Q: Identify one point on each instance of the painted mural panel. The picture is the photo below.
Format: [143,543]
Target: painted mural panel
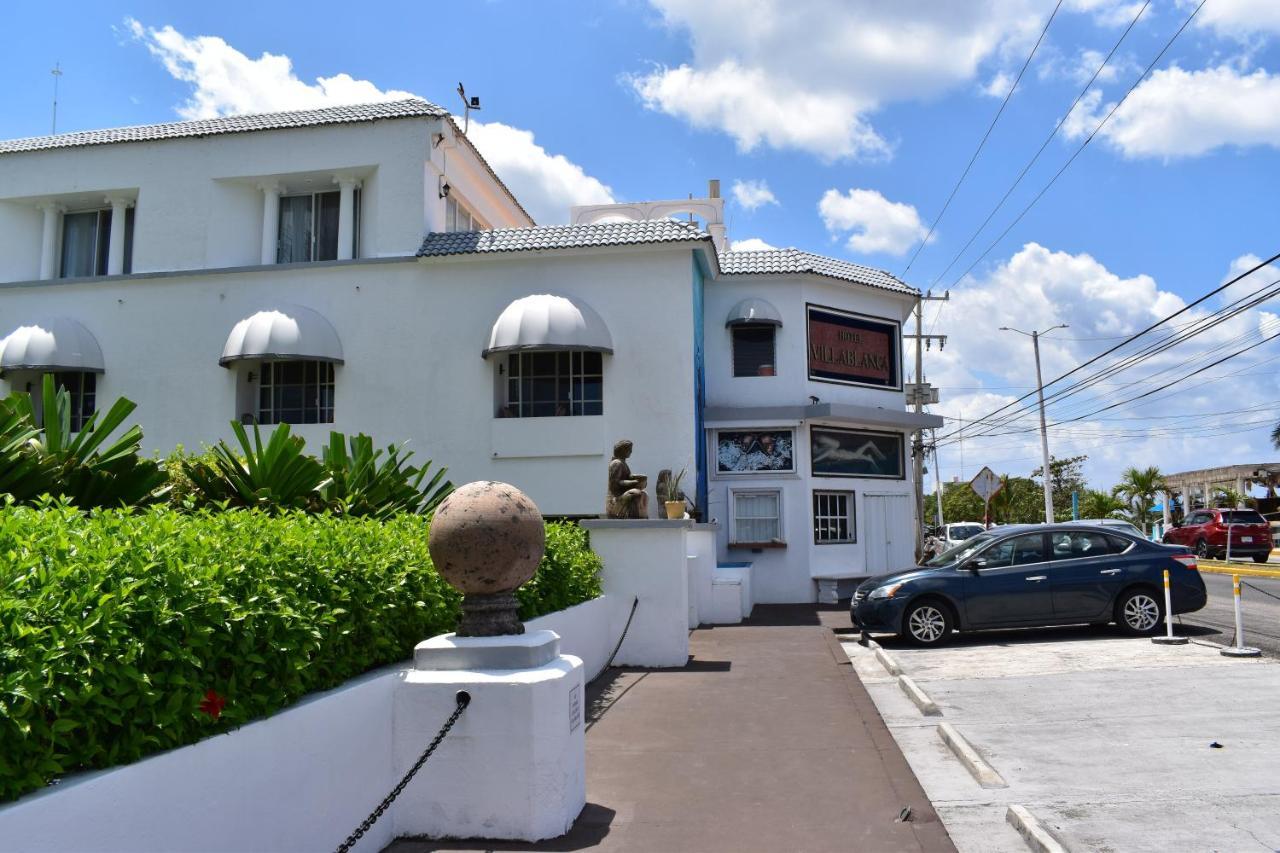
[755,451]
[857,453]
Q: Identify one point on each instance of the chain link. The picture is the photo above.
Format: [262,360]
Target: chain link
[625,628]
[464,699]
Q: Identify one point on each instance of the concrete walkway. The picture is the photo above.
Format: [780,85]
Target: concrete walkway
[766,741]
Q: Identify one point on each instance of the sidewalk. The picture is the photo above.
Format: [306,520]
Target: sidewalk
[766,741]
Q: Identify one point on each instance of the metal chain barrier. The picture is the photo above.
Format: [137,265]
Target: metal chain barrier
[464,699]
[634,602]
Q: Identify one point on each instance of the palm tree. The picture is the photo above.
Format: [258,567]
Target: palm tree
[1096,504]
[1275,437]
[1138,487]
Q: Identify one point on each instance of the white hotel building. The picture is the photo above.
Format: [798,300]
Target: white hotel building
[363,269]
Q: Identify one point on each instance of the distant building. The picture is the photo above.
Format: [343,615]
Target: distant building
[362,269]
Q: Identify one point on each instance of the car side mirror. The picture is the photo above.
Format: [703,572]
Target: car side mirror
[976,564]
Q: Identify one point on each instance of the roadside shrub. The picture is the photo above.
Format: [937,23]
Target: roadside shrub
[127,632]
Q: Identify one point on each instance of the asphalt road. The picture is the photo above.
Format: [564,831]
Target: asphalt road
[1261,612]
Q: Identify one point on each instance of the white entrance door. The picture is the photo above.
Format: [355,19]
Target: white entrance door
[886,526]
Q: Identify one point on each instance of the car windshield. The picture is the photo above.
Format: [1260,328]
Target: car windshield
[1242,516]
[961,532]
[962,551]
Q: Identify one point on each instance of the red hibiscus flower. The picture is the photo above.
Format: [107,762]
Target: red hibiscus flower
[212,704]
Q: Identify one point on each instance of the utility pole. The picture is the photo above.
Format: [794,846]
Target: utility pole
[1044,431]
[937,477]
[920,394]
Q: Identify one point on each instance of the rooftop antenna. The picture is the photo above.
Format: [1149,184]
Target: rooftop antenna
[56,72]
[468,104]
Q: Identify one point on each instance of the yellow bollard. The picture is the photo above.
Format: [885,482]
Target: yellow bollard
[1239,650]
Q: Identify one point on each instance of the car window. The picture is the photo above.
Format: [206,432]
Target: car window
[1196,518]
[1084,543]
[1119,544]
[960,532]
[962,551]
[1018,551]
[1242,516]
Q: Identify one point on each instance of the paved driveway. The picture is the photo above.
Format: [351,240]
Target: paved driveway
[1106,740]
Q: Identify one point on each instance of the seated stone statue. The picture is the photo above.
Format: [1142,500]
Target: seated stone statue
[627,497]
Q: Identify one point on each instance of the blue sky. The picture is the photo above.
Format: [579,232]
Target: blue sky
[874,107]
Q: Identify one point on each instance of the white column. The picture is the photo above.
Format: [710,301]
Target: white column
[49,240]
[346,217]
[270,221]
[1208,495]
[1186,501]
[1168,511]
[115,251]
[1240,491]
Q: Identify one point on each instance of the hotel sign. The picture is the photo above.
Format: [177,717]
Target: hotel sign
[853,349]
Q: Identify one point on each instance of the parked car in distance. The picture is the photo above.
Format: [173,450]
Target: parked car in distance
[1206,530]
[955,533]
[1032,575]
[1119,524]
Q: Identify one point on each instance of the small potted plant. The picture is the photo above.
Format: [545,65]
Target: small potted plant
[671,496]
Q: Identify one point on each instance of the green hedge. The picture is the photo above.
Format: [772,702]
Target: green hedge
[116,625]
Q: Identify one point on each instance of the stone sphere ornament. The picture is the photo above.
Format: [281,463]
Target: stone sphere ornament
[487,538]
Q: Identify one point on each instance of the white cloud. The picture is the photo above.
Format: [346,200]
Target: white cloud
[806,74]
[1177,113]
[751,244]
[753,194]
[982,368]
[1239,19]
[1108,13]
[546,184]
[999,85]
[877,224]
[225,81]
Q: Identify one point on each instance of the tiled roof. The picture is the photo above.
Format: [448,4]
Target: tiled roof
[560,237]
[408,108]
[790,261]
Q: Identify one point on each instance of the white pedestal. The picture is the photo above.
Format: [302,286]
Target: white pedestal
[513,767]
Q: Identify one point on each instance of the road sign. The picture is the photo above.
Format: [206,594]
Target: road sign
[986,484]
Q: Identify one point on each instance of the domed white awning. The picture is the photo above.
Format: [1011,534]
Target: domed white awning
[753,311]
[282,333]
[56,343]
[548,322]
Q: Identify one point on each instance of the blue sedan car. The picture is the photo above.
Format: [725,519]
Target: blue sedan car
[1029,576]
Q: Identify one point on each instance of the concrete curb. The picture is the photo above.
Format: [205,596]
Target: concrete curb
[921,699]
[982,772]
[1035,833]
[890,665]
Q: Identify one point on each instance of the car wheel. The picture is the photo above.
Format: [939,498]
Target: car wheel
[1202,549]
[1260,558]
[1138,612]
[927,623]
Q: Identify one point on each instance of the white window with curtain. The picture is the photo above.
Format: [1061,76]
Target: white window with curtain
[458,218]
[309,227]
[86,242]
[757,517]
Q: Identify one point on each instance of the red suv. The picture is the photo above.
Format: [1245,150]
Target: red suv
[1205,531]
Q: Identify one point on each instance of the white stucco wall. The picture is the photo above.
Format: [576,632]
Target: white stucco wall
[412,334]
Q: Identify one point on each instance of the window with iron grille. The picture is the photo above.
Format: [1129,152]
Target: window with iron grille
[296,392]
[833,520]
[82,388]
[753,350]
[757,517]
[554,384]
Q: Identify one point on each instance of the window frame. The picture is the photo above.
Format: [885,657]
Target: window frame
[517,369]
[454,206]
[850,516]
[326,377]
[734,542]
[1046,549]
[773,349]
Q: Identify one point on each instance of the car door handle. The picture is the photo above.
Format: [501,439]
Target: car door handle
[1038,578]
[1109,572]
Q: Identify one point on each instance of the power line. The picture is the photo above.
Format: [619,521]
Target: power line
[983,143]
[1131,338]
[1027,168]
[1083,145]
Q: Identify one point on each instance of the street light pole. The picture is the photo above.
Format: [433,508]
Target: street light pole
[1044,430]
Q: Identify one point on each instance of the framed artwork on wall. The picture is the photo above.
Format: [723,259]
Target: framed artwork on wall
[857,453]
[755,451]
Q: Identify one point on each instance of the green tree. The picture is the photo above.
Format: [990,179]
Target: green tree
[1066,476]
[1096,504]
[1138,488]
